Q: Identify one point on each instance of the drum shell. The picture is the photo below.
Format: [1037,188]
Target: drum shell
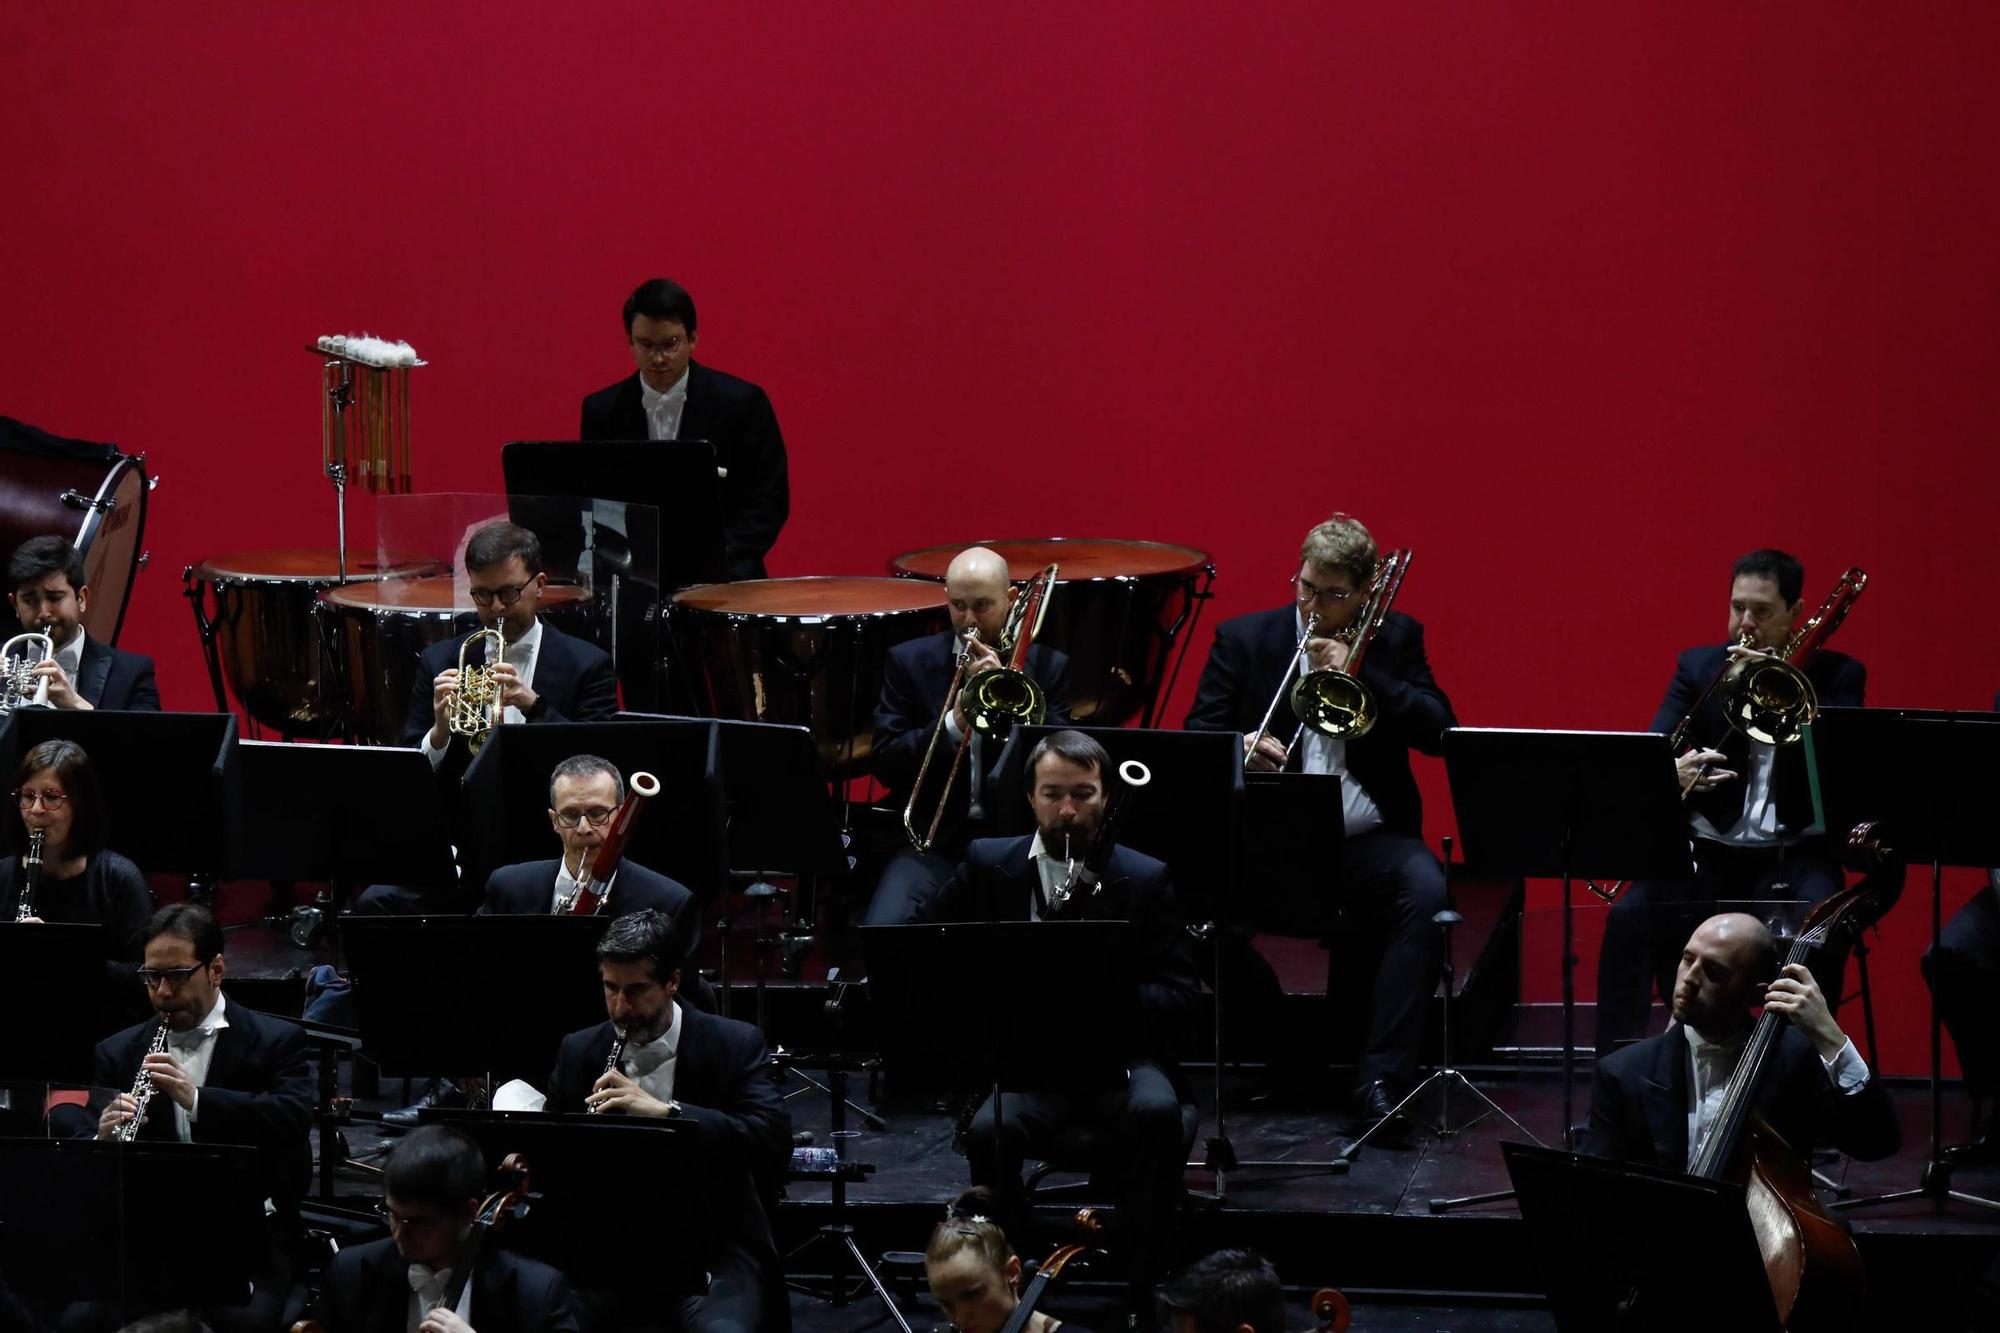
[817,668]
[33,481]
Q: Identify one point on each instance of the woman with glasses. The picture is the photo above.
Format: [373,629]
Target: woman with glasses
[81,880]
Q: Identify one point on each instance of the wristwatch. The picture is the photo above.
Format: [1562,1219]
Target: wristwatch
[673,1109]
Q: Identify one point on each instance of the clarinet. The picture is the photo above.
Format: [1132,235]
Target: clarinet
[611,1061]
[142,1089]
[31,871]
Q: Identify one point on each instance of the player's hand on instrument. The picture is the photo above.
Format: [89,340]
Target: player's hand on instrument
[1264,756]
[171,1078]
[615,1091]
[514,693]
[980,658]
[442,1320]
[1698,772]
[1798,997]
[62,693]
[121,1109]
[1327,654]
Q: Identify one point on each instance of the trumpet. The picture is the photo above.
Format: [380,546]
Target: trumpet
[612,1061]
[142,1089]
[31,871]
[589,895]
[475,708]
[21,686]
[994,703]
[1334,702]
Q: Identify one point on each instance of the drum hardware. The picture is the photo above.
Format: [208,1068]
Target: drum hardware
[93,496]
[79,501]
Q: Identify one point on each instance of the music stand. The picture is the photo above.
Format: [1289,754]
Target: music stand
[37,962]
[455,995]
[64,1199]
[1930,781]
[1617,1245]
[1567,805]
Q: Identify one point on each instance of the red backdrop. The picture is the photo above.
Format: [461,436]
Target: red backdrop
[1577,301]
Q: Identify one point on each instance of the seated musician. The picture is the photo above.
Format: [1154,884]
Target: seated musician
[1230,1291]
[1654,1101]
[915,681]
[1750,808]
[680,1063]
[674,397]
[1963,971]
[1009,879]
[49,597]
[228,1075]
[81,880]
[432,1185]
[1389,881]
[974,1274]
[547,675]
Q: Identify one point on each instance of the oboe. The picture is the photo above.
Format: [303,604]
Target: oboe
[611,1061]
[142,1089]
[31,871]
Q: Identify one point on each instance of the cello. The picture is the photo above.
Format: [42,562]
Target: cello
[1810,1260]
[1052,1268]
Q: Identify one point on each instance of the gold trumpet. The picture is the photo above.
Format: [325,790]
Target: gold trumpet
[475,708]
[1334,702]
[994,702]
[20,685]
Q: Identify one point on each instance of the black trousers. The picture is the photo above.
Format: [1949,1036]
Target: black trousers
[1650,924]
[910,881]
[1964,972]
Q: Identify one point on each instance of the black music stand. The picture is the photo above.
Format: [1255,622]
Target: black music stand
[1617,1245]
[37,962]
[169,780]
[65,1202]
[316,813]
[1930,781]
[1567,805]
[456,995]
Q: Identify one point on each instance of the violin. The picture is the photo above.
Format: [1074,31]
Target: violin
[1051,1269]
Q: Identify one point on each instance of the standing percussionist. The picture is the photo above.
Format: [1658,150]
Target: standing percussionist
[1749,804]
[681,1064]
[915,681]
[674,397]
[49,596]
[1389,880]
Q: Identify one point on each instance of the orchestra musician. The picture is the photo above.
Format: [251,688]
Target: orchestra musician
[1750,807]
[1653,1101]
[680,1063]
[1229,1291]
[915,681]
[81,880]
[975,1275]
[49,596]
[1143,1123]
[1390,882]
[671,396]
[432,1185]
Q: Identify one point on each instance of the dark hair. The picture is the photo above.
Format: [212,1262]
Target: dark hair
[175,1321]
[38,557]
[1227,1289]
[971,1223]
[1079,749]
[643,937]
[586,766]
[1781,567]
[193,923]
[79,781]
[661,299]
[435,1165]
[497,543]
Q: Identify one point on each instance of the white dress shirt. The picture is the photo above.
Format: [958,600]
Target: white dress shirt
[195,1049]
[1711,1063]
[652,1066]
[1328,754]
[522,655]
[663,410]
[427,1291]
[70,656]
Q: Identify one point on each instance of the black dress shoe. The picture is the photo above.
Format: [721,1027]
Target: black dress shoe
[440,1092]
[1981,1151]
[1373,1102]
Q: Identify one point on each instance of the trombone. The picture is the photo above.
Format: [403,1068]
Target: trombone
[994,703]
[1334,702]
[475,708]
[20,686]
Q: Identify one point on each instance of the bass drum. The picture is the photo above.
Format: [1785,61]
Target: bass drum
[379,631]
[90,494]
[807,651]
[1119,610]
[254,612]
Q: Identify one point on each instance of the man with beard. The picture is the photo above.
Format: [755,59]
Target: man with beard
[681,1064]
[1654,1101]
[45,577]
[1010,879]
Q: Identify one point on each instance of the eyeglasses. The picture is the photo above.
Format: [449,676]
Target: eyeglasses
[646,347]
[51,799]
[506,596]
[597,817]
[1306,592]
[398,1220]
[176,977]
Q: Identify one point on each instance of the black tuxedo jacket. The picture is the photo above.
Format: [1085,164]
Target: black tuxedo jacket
[736,417]
[997,879]
[1840,682]
[1250,655]
[112,678]
[1639,1106]
[367,1290]
[259,1093]
[574,682]
[528,888]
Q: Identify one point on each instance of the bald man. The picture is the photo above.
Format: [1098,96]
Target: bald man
[1654,1101]
[919,673]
